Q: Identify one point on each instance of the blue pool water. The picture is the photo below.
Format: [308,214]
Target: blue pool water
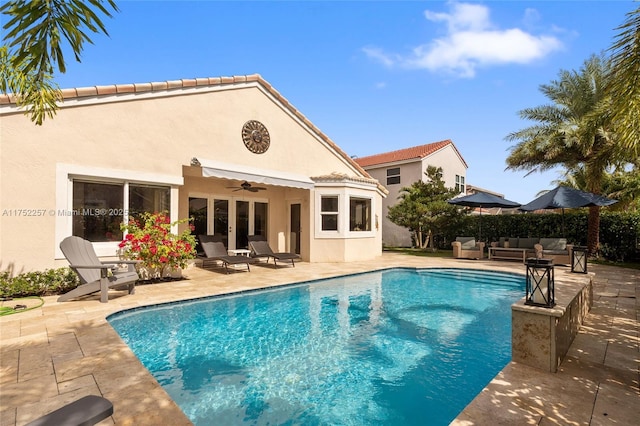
[393,347]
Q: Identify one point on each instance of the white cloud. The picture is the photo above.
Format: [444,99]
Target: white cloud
[472,41]
[464,16]
[531,17]
[379,56]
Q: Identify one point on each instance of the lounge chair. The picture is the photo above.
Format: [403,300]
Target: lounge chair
[96,275]
[214,252]
[261,249]
[85,411]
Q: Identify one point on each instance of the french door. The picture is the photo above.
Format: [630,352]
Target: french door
[231,219]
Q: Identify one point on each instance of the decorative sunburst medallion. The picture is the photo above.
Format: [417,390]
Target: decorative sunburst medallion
[255,136]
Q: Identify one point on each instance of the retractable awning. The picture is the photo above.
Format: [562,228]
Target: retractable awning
[212,168]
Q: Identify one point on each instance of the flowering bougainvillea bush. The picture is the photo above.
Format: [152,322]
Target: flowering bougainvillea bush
[148,238]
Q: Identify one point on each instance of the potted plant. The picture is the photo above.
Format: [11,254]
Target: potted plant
[163,254]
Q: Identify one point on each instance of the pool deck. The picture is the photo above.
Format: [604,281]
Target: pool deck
[55,354]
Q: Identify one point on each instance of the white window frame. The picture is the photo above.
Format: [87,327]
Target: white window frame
[337,213]
[67,173]
[344,194]
[460,185]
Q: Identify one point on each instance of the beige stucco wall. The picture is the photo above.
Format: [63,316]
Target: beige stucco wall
[451,164]
[148,136]
[410,172]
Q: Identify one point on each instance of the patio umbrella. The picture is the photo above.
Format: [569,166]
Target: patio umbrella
[483,200]
[564,197]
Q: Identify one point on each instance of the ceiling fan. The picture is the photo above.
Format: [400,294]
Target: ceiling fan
[246,186]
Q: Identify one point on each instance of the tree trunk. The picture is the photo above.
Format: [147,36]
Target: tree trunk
[425,243]
[417,239]
[593,230]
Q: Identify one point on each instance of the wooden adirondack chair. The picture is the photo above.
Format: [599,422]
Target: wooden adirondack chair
[95,275]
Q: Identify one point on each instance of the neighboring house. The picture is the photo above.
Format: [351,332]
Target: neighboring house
[231,152]
[401,168]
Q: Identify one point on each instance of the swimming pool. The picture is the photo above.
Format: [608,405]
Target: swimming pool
[393,347]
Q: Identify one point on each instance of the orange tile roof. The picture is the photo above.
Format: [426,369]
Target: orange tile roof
[412,153]
[115,89]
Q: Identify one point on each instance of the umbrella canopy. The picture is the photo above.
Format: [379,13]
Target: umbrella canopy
[482,199]
[564,197]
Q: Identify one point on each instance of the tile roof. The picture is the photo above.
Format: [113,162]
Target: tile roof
[412,153]
[171,85]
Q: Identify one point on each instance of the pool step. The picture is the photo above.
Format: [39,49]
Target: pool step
[476,276]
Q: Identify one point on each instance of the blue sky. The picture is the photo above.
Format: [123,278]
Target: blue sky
[375,76]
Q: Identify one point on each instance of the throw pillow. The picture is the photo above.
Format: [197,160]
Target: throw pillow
[553,243]
[468,243]
[527,243]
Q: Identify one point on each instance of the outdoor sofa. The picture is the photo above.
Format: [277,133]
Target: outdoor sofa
[511,248]
[556,249]
[467,248]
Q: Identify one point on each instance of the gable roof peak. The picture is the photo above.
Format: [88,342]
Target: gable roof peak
[411,153]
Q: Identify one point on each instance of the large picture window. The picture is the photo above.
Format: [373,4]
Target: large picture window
[329,212]
[359,214]
[148,199]
[98,211]
[100,207]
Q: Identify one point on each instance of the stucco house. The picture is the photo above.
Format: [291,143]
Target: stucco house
[400,168]
[231,152]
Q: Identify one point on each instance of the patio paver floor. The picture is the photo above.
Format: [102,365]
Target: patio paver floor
[60,352]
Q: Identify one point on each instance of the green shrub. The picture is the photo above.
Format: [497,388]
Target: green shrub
[619,231]
[38,283]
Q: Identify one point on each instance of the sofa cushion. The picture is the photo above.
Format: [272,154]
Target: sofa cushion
[556,252]
[526,243]
[553,243]
[503,240]
[468,243]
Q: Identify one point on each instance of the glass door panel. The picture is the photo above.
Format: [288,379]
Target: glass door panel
[198,211]
[260,219]
[242,225]
[221,220]
[294,226]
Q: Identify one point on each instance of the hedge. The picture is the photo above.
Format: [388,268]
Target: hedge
[38,283]
[619,231]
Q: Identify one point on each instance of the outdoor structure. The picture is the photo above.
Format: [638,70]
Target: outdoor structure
[231,152]
[399,169]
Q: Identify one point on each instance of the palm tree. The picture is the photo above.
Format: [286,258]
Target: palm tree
[622,185]
[570,132]
[34,34]
[624,85]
